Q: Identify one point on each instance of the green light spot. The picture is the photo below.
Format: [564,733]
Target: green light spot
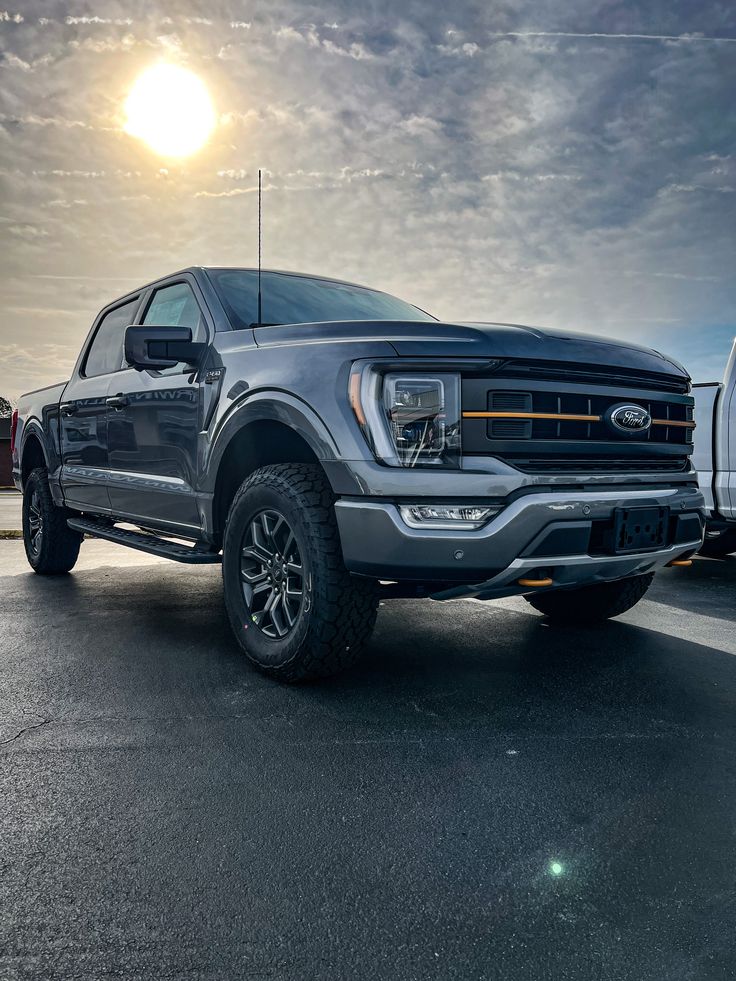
[556,868]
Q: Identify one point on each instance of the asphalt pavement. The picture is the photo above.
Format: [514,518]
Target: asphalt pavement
[485,797]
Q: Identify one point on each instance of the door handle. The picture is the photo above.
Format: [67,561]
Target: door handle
[68,408]
[117,401]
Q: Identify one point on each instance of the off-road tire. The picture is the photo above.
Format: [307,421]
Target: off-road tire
[337,612]
[592,603]
[720,547]
[58,548]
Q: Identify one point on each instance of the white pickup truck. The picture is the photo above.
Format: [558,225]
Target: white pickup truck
[715,458]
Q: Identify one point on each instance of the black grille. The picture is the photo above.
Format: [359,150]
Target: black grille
[593,374]
[574,404]
[582,440]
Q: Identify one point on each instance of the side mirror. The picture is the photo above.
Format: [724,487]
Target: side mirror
[161,347]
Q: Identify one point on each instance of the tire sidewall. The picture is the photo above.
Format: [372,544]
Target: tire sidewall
[266,652]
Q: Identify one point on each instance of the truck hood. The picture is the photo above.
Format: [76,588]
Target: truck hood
[420,339]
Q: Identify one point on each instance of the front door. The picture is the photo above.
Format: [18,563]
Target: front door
[153,425]
[83,412]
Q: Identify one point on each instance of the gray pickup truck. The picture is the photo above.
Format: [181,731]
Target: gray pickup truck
[715,459]
[330,444]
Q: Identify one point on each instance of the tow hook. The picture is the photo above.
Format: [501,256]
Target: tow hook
[537,578]
[681,563]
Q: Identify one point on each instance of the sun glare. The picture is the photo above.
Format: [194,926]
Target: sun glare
[170,109]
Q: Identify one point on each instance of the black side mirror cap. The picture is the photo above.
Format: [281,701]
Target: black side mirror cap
[161,347]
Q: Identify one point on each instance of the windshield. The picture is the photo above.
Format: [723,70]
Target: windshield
[287,299]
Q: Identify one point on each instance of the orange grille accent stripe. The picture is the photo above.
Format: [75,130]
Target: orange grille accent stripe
[531,415]
[673,422]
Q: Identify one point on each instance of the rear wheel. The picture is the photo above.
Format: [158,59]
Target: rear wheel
[51,545]
[589,604]
[295,610]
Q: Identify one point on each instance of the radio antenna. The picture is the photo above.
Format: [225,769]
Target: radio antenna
[260,320]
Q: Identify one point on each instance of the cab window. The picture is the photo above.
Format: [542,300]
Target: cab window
[106,350]
[176,306]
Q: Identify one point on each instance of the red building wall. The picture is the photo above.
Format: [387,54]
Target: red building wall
[6,476]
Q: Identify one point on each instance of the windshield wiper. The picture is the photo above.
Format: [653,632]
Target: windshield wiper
[265,325]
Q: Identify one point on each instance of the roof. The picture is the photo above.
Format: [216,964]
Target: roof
[289,272]
[254,269]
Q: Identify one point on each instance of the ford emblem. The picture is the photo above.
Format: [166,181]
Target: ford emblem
[630,419]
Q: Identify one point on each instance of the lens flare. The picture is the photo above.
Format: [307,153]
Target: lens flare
[170,109]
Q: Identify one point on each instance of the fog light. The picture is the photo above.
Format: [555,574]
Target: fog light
[464,517]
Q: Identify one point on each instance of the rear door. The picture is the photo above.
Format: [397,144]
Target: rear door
[83,411]
[154,420]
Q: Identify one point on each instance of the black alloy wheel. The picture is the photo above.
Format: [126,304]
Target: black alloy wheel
[35,523]
[273,574]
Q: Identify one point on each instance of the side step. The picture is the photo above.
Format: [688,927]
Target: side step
[192,554]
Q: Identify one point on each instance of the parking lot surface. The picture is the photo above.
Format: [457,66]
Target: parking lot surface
[10,510]
[485,797]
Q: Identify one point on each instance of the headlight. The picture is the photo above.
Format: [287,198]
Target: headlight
[409,420]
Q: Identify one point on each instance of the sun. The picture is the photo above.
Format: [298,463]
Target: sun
[170,109]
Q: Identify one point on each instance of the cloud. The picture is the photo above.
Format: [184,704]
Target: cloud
[517,177]
[65,203]
[28,231]
[103,45]
[232,193]
[693,188]
[11,60]
[467,50]
[420,125]
[309,36]
[32,120]
[118,21]
[595,35]
[234,175]
[8,18]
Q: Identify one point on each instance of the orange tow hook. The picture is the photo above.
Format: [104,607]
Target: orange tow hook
[681,563]
[535,582]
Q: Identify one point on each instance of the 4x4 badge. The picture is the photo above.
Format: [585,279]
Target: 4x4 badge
[628,418]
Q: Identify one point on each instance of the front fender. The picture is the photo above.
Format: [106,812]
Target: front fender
[278,406]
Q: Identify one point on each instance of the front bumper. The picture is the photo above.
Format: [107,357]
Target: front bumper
[554,531]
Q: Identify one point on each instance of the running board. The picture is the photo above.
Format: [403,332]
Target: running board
[192,554]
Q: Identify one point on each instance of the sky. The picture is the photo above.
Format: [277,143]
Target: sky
[564,163]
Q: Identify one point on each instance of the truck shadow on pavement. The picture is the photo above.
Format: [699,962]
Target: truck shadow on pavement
[157,638]
[707,588]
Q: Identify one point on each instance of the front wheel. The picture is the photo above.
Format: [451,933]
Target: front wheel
[51,545]
[719,546]
[296,611]
[589,604]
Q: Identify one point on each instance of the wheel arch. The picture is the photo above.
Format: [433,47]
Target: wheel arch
[33,453]
[268,428]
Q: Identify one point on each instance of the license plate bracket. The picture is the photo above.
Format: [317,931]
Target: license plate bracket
[640,529]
